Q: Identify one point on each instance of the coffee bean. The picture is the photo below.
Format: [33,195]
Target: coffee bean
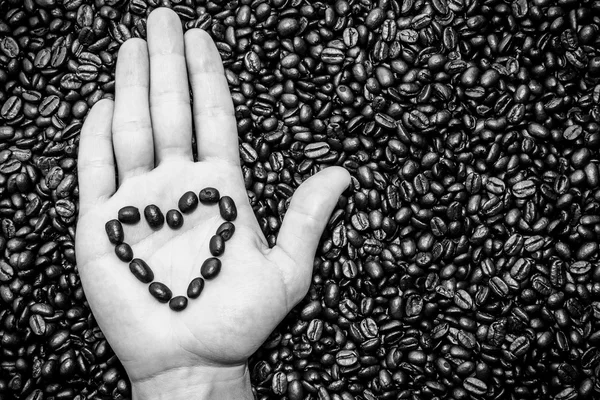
[227,208]
[178,303]
[174,219]
[141,270]
[160,292]
[463,300]
[346,358]
[580,267]
[154,216]
[129,215]
[209,196]
[114,231]
[195,288]
[187,203]
[216,245]
[316,150]
[124,252]
[210,268]
[37,324]
[475,386]
[226,230]
[524,189]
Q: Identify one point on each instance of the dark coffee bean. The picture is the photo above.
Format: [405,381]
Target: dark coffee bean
[524,189]
[178,303]
[129,215]
[216,245]
[346,358]
[209,195]
[195,288]
[174,219]
[141,270]
[475,386]
[316,150]
[279,383]
[226,230]
[37,324]
[160,291]
[154,216]
[580,267]
[124,252]
[227,208]
[463,300]
[114,231]
[187,203]
[210,268]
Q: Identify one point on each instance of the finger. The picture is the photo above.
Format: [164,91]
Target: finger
[169,93]
[303,225]
[96,164]
[132,129]
[214,120]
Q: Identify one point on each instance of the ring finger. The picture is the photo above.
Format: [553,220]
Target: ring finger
[132,129]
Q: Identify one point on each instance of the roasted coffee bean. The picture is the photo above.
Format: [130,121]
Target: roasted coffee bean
[141,270]
[129,215]
[174,219]
[210,268]
[226,230]
[475,386]
[187,203]
[209,196]
[124,252]
[37,324]
[154,216]
[160,292]
[227,208]
[178,303]
[195,288]
[346,358]
[216,245]
[524,189]
[114,231]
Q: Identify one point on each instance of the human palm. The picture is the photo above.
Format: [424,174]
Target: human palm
[149,129]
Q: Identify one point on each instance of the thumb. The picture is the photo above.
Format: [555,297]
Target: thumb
[303,225]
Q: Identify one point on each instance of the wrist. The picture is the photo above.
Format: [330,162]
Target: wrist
[196,383]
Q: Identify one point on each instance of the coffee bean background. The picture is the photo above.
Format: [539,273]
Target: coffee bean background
[461,263]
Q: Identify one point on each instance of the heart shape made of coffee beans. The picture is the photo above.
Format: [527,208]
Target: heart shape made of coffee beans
[187,204]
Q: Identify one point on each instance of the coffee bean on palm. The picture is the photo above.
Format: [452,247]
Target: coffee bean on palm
[124,252]
[210,268]
[209,195]
[174,219]
[188,202]
[114,231]
[154,216]
[226,230]
[178,303]
[160,291]
[141,270]
[216,245]
[227,208]
[195,288]
[129,215]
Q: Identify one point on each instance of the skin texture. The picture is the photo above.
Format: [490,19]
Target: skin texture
[145,136]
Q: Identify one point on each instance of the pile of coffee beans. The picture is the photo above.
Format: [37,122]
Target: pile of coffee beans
[462,262]
[154,216]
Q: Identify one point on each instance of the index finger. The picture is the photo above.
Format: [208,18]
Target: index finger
[214,118]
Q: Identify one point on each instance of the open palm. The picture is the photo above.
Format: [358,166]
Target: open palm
[149,129]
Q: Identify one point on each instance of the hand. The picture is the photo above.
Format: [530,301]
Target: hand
[201,351]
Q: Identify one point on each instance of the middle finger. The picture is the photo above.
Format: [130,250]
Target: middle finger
[169,93]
